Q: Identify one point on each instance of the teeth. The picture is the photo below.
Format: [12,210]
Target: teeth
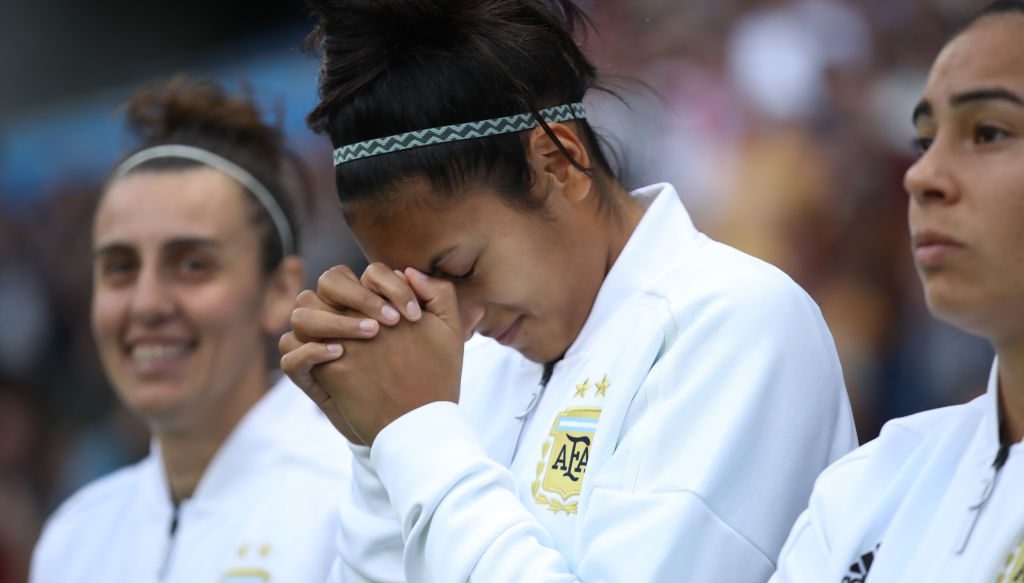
[150,353]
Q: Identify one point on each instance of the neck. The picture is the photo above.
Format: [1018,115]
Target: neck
[624,217]
[186,457]
[187,449]
[1011,391]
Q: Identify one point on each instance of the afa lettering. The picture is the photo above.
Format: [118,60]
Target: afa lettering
[573,463]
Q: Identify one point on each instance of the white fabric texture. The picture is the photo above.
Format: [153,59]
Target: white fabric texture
[900,507]
[678,439]
[266,507]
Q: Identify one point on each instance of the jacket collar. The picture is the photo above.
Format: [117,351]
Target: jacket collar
[259,438]
[664,234]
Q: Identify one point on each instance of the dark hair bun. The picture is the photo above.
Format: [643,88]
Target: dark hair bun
[394,66]
[419,40]
[200,112]
[394,24]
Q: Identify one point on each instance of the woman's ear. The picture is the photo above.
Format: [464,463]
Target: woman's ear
[553,166]
[282,288]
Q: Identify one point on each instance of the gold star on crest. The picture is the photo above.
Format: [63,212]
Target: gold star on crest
[602,386]
[243,550]
[264,550]
[581,389]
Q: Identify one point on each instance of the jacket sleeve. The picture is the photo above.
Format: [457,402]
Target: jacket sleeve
[731,429]
[715,460]
[370,538]
[850,508]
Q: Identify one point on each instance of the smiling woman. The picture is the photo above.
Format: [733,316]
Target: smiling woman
[937,497]
[194,273]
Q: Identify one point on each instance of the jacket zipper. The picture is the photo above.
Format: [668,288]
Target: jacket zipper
[166,564]
[986,492]
[524,417]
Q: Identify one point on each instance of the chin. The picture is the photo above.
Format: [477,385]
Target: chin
[534,357]
[542,354]
[159,405]
[957,311]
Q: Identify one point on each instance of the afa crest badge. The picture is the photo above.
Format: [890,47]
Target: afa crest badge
[248,574]
[564,457]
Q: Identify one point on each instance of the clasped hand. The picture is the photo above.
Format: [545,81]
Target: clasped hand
[369,350]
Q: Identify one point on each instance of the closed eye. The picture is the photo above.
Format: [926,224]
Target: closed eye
[464,277]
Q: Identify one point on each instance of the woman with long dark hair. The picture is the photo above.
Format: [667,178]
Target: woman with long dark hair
[638,402]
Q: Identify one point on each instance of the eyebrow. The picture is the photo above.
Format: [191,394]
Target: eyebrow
[924,108]
[172,245]
[996,94]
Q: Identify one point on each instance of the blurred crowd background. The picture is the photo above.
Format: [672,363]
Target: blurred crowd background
[784,124]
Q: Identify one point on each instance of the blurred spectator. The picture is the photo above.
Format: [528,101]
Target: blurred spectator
[25,312]
[21,513]
[781,52]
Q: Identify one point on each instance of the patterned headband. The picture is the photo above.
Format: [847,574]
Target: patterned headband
[456,132]
[241,175]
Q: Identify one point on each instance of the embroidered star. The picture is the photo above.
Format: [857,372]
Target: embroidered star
[243,550]
[602,386]
[581,390]
[264,550]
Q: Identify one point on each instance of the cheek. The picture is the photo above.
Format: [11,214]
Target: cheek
[108,313]
[998,224]
[523,280]
[226,315]
[1006,244]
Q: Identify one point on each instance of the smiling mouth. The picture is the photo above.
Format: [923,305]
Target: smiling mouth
[158,356]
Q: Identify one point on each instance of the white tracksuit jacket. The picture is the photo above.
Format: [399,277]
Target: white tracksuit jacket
[265,510]
[677,440]
[925,501]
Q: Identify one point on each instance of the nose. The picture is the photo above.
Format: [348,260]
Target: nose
[471,311]
[471,316]
[931,179]
[151,300]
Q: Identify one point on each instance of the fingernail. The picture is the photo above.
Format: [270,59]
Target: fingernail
[368,325]
[418,273]
[334,348]
[390,314]
[413,309]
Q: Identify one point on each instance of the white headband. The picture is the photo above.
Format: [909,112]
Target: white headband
[217,162]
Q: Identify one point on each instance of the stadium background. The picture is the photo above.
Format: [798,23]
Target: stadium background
[783,123]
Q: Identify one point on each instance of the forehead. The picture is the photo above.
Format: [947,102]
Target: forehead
[990,53]
[153,206]
[411,231]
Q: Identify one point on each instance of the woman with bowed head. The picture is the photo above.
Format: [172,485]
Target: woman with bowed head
[544,377]
[937,496]
[195,274]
